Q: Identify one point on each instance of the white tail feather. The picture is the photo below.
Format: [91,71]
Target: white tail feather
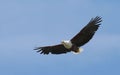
[78,51]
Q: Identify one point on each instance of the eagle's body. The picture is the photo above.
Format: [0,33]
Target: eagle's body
[68,45]
[76,42]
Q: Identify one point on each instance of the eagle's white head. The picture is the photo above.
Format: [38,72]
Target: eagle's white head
[67,44]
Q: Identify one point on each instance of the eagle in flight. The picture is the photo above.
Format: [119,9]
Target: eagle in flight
[74,45]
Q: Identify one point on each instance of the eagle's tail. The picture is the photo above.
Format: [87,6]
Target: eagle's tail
[79,50]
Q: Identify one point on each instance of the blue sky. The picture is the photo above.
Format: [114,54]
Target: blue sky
[26,24]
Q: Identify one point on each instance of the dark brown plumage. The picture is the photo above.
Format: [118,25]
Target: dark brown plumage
[56,49]
[77,41]
[87,32]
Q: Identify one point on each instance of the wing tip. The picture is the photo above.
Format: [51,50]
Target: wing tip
[41,50]
[96,20]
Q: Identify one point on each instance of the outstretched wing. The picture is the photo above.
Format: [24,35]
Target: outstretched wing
[56,49]
[87,32]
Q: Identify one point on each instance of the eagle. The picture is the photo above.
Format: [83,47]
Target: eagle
[74,44]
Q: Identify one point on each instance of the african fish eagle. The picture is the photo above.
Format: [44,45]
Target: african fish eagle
[76,42]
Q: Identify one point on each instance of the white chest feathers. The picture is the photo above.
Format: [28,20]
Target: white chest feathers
[67,44]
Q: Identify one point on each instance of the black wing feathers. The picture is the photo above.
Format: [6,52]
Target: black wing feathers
[57,49]
[87,32]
